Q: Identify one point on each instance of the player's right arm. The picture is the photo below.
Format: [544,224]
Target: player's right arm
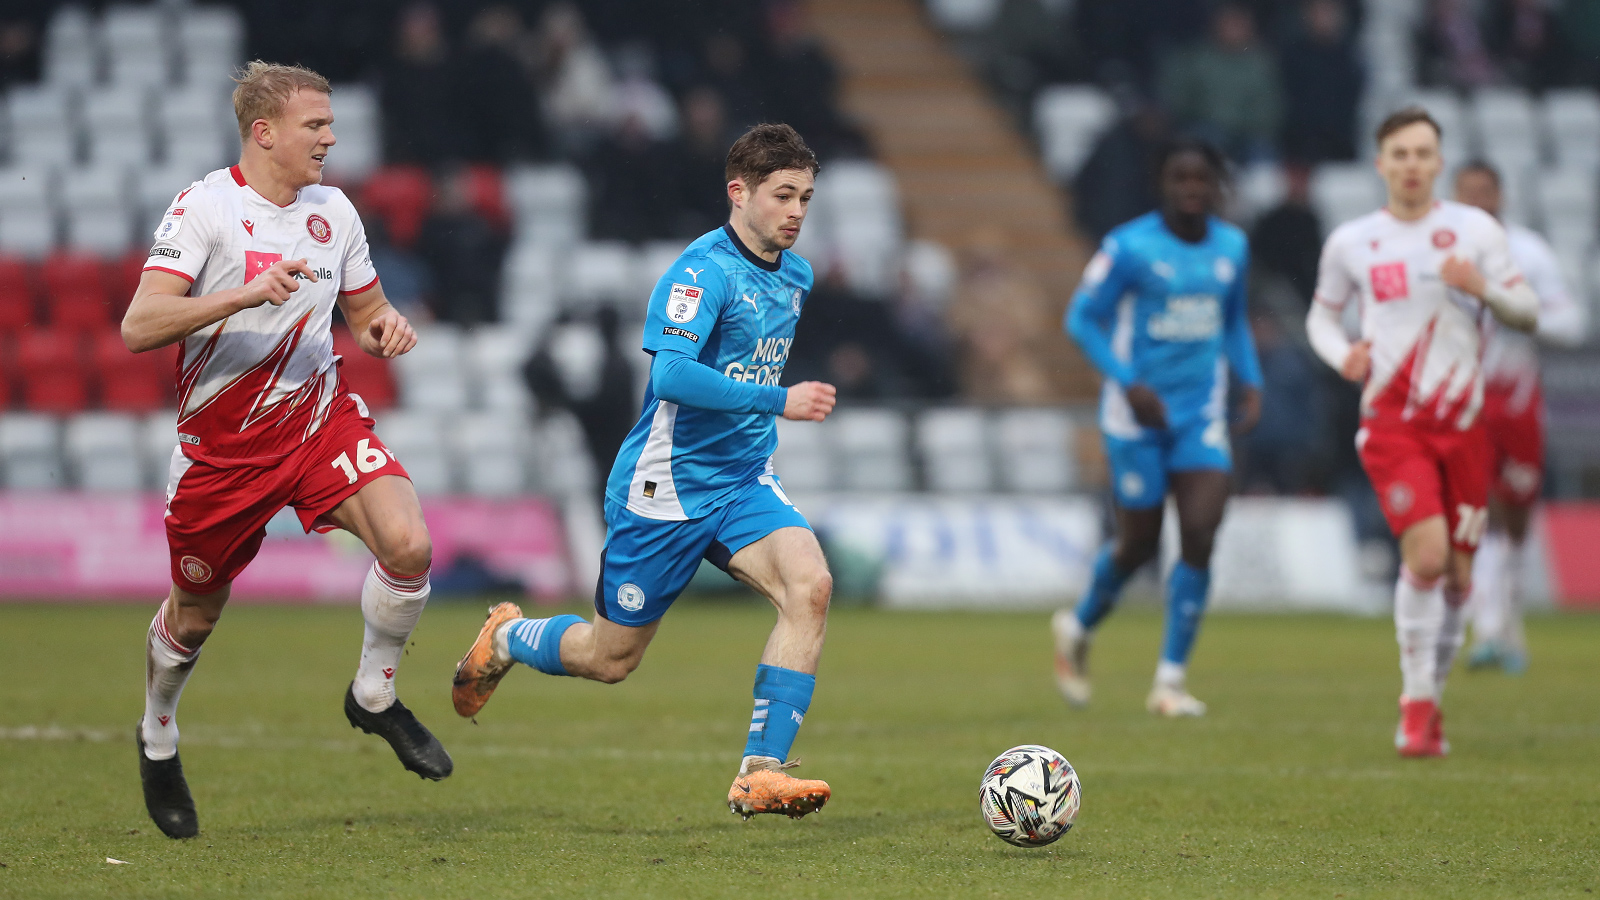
[162,312]
[1325,322]
[1109,275]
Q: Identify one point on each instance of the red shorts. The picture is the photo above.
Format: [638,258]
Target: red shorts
[1419,473]
[1516,441]
[217,515]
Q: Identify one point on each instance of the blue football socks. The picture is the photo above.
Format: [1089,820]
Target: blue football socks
[1104,589]
[1187,589]
[537,642]
[782,698]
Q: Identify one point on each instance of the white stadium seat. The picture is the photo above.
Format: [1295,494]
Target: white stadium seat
[432,376]
[27,231]
[1342,191]
[1035,450]
[489,449]
[103,450]
[803,460]
[1446,107]
[29,451]
[1567,199]
[417,439]
[528,286]
[95,204]
[210,43]
[548,203]
[495,355]
[357,126]
[154,190]
[871,446]
[654,260]
[40,127]
[599,272]
[1572,124]
[1068,120]
[963,15]
[135,41]
[564,468]
[954,444]
[158,437]
[1507,132]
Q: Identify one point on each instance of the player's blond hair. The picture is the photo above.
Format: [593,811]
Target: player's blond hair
[264,90]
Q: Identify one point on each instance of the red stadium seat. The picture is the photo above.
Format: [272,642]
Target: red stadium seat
[75,292]
[366,375]
[122,279]
[487,193]
[401,196]
[133,382]
[16,295]
[51,370]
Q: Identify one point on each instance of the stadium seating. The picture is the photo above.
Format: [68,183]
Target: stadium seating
[489,448]
[132,382]
[1036,451]
[871,447]
[803,460]
[51,370]
[954,444]
[30,457]
[400,196]
[16,295]
[157,439]
[98,446]
[1068,120]
[366,375]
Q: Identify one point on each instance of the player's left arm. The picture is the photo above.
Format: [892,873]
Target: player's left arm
[1499,284]
[379,328]
[1239,346]
[1563,320]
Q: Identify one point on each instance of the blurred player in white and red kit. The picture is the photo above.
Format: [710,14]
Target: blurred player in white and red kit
[1513,414]
[1429,275]
[245,270]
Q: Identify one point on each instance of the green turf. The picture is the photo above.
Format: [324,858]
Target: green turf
[1288,788]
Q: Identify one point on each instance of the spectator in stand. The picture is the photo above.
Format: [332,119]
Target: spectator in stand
[1322,81]
[1123,39]
[19,45]
[806,96]
[497,104]
[577,87]
[640,96]
[407,282]
[1227,90]
[1116,182]
[1450,46]
[1287,240]
[1023,48]
[463,250]
[419,105]
[727,72]
[702,163]
[1525,39]
[602,400]
[633,185]
[1579,24]
[999,316]
[1278,455]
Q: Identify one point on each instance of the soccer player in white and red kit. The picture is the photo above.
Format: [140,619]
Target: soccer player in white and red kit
[1513,414]
[245,271]
[1428,276]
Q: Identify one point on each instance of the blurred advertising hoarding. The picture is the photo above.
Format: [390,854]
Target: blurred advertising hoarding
[84,546]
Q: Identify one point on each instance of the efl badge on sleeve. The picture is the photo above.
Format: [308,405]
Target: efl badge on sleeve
[170,225]
[683,303]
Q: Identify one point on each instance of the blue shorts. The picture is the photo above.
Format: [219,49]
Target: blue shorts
[1139,466]
[647,563]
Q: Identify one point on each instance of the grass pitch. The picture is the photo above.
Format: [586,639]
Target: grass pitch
[1288,788]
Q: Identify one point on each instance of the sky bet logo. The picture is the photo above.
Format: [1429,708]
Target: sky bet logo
[766,364]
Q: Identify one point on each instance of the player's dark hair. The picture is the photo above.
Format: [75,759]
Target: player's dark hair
[765,149]
[1482,167]
[1205,149]
[1401,118]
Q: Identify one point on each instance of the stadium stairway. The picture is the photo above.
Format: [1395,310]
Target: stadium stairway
[968,179]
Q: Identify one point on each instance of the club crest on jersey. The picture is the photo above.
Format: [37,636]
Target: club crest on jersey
[683,302]
[321,231]
[1223,269]
[1444,238]
[170,225]
[1389,282]
[794,301]
[195,569]
[1400,498]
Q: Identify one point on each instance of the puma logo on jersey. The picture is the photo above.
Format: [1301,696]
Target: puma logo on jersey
[694,273]
[751,302]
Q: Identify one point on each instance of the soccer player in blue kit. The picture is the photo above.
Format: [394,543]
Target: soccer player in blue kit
[694,479]
[1161,313]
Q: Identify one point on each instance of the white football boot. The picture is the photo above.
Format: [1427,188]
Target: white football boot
[1173,701]
[1072,657]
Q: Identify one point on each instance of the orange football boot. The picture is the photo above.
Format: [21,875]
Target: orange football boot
[477,675]
[771,790]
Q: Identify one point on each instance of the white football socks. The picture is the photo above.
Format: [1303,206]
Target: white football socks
[1511,625]
[391,605]
[1489,587]
[1452,633]
[167,667]
[1418,616]
[1171,675]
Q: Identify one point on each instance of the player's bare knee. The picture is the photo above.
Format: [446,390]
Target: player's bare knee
[808,596]
[1427,562]
[1196,546]
[410,553]
[1131,553]
[612,671]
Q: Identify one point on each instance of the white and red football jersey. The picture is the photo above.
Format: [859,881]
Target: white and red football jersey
[1427,339]
[1511,358]
[254,386]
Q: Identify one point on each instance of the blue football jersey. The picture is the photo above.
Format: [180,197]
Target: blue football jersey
[1154,309]
[735,312]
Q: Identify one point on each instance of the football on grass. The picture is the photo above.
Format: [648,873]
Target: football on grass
[1030,796]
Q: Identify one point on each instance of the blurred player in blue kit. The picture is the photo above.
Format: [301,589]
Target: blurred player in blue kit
[1161,313]
[694,479]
